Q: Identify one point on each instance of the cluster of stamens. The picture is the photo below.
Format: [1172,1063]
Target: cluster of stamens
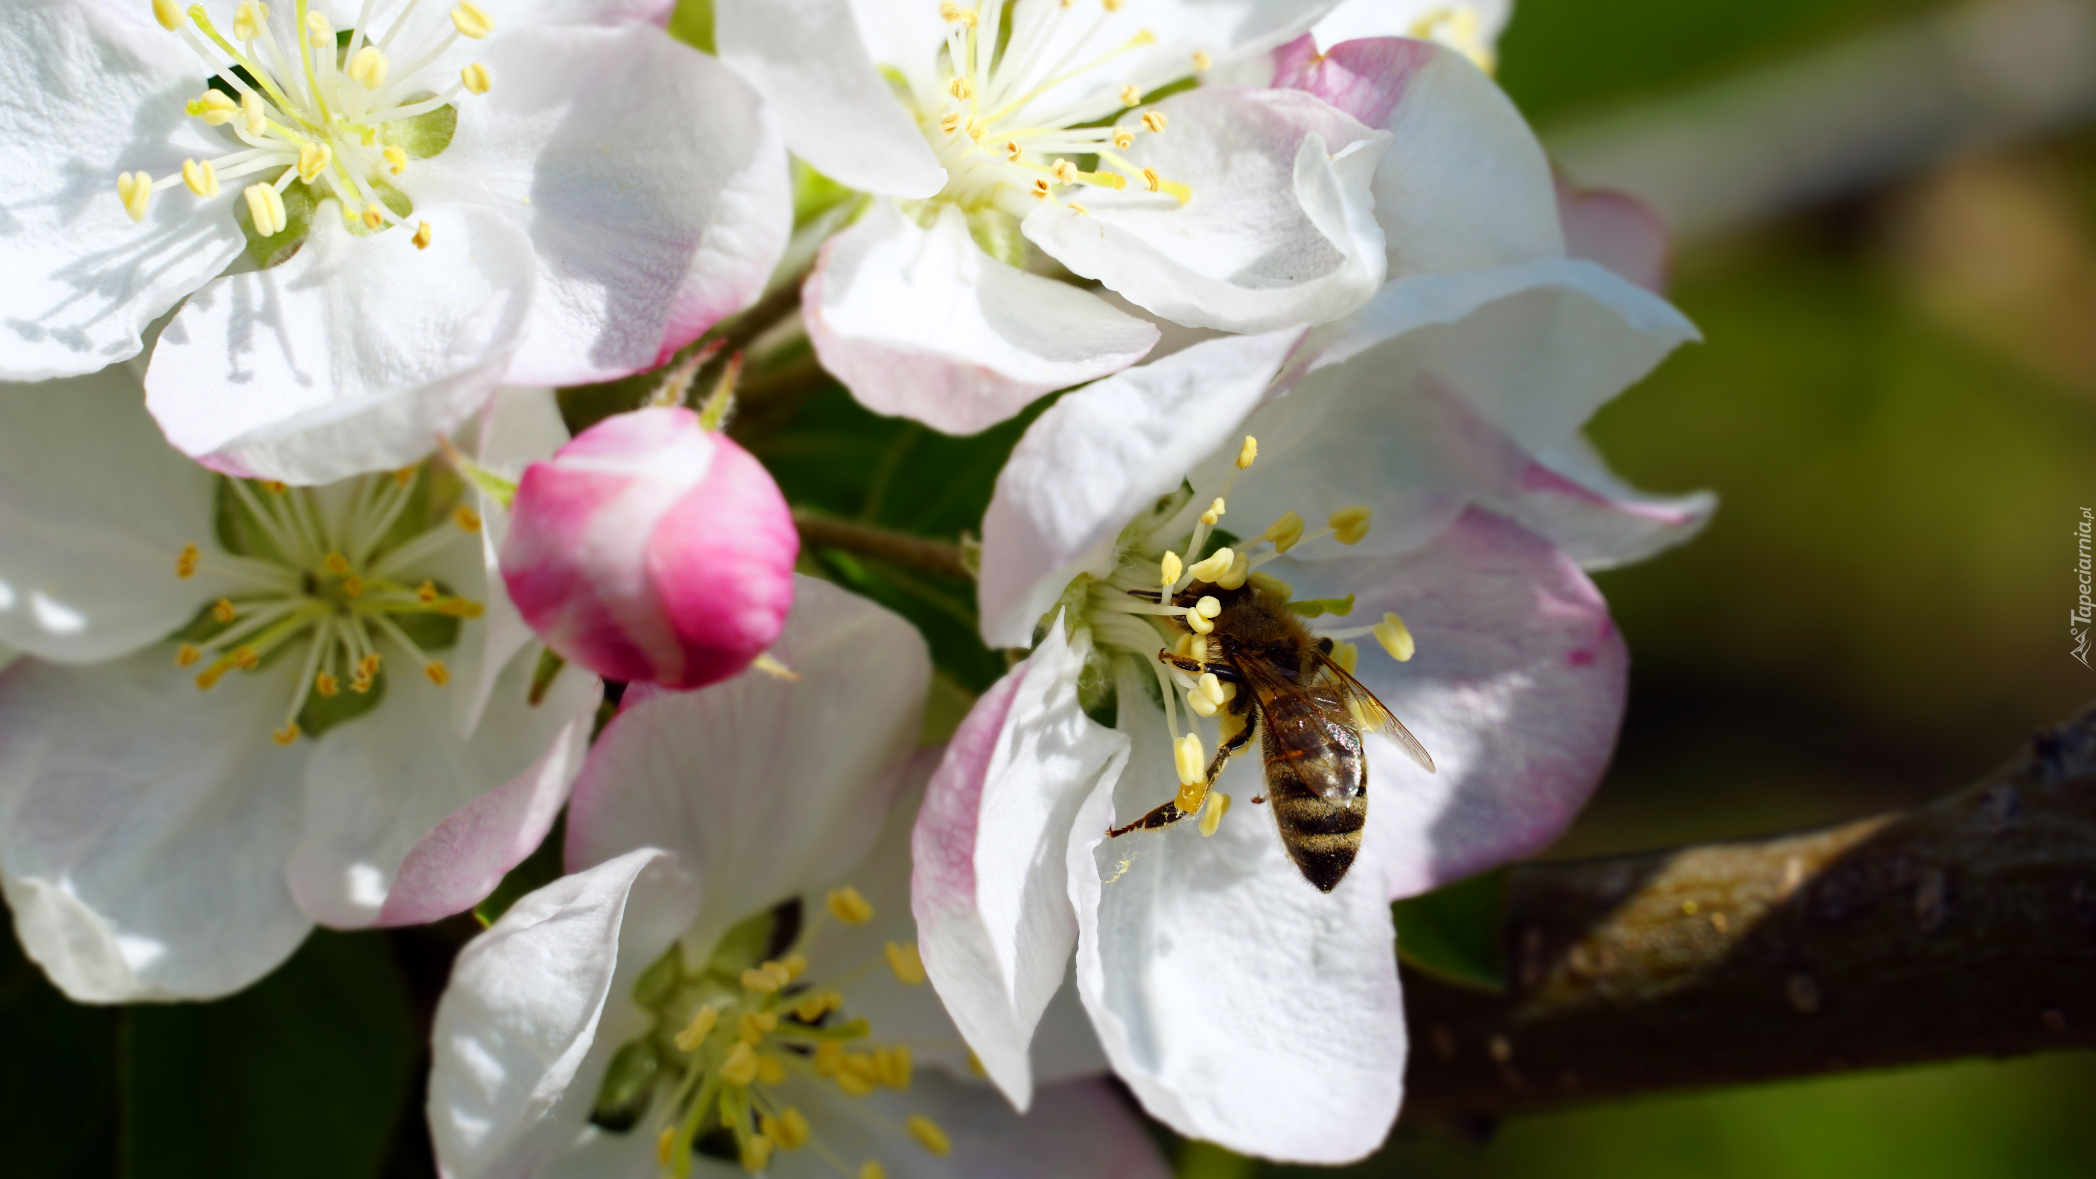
[327,111]
[726,1036]
[1154,600]
[997,138]
[334,582]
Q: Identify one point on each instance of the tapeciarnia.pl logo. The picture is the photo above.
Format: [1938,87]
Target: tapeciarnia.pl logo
[2078,618]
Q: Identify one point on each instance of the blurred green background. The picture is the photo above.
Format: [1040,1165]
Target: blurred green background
[1897,405]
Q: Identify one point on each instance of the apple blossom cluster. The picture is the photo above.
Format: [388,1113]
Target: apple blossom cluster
[326,615]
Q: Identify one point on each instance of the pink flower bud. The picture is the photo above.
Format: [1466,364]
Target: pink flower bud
[648,549]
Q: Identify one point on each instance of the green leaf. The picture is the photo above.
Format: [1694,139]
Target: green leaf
[692,23]
[306,1073]
[1452,933]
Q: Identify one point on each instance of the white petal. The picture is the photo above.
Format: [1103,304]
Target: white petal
[993,918]
[535,1007]
[95,509]
[764,788]
[1095,458]
[651,181]
[1403,18]
[921,323]
[1225,31]
[1517,691]
[1279,230]
[809,59]
[144,826]
[1584,335]
[519,427]
[352,356]
[380,784]
[1571,497]
[1242,1005]
[93,88]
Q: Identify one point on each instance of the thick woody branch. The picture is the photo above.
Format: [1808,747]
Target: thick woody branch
[1966,927]
[896,548]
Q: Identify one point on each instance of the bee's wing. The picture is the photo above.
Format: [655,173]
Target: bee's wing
[1374,715]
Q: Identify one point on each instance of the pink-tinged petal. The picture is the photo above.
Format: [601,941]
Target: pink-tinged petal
[811,62]
[1465,184]
[921,323]
[1279,230]
[652,549]
[763,787]
[144,826]
[1617,230]
[90,89]
[1517,691]
[993,916]
[352,356]
[1571,497]
[536,1006]
[1354,19]
[462,861]
[1100,455]
[649,178]
[1241,1004]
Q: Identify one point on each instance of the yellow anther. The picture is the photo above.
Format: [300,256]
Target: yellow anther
[779,971]
[846,905]
[245,658]
[789,1129]
[756,1153]
[753,1026]
[815,1004]
[695,1032]
[762,979]
[1211,687]
[854,1074]
[664,1142]
[187,655]
[1169,567]
[169,16]
[1064,171]
[319,33]
[1197,624]
[267,210]
[368,67]
[740,1068]
[1234,577]
[923,1129]
[1350,525]
[1191,647]
[285,735]
[466,518]
[976,130]
[421,238]
[222,611]
[1011,150]
[201,179]
[960,87]
[255,112]
[1200,704]
[1151,182]
[771,1069]
[1267,583]
[1202,61]
[893,1065]
[1077,210]
[361,684]
[426,592]
[904,961]
[326,684]
[796,965]
[211,675]
[186,563]
[396,160]
[471,20]
[214,107]
[828,1058]
[313,159]
[1208,607]
[335,563]
[247,20]
[1212,815]
[1130,95]
[950,122]
[870,1169]
[1190,759]
[1284,532]
[1154,121]
[373,216]
[1215,564]
[1247,453]
[476,78]
[1123,138]
[368,665]
[955,14]
[135,189]
[1111,6]
[1040,188]
[1215,512]
[1346,655]
[1396,637]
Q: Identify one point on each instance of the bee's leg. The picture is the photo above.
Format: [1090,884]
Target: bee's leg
[1170,813]
[1222,671]
[1163,816]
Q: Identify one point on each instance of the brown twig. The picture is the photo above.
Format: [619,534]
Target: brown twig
[935,557]
[1966,927]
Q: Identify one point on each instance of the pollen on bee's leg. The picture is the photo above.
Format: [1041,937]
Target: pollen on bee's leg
[1350,525]
[846,905]
[928,1135]
[905,962]
[1212,814]
[1190,759]
[1395,637]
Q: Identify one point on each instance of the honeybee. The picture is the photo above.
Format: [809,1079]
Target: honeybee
[1310,714]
